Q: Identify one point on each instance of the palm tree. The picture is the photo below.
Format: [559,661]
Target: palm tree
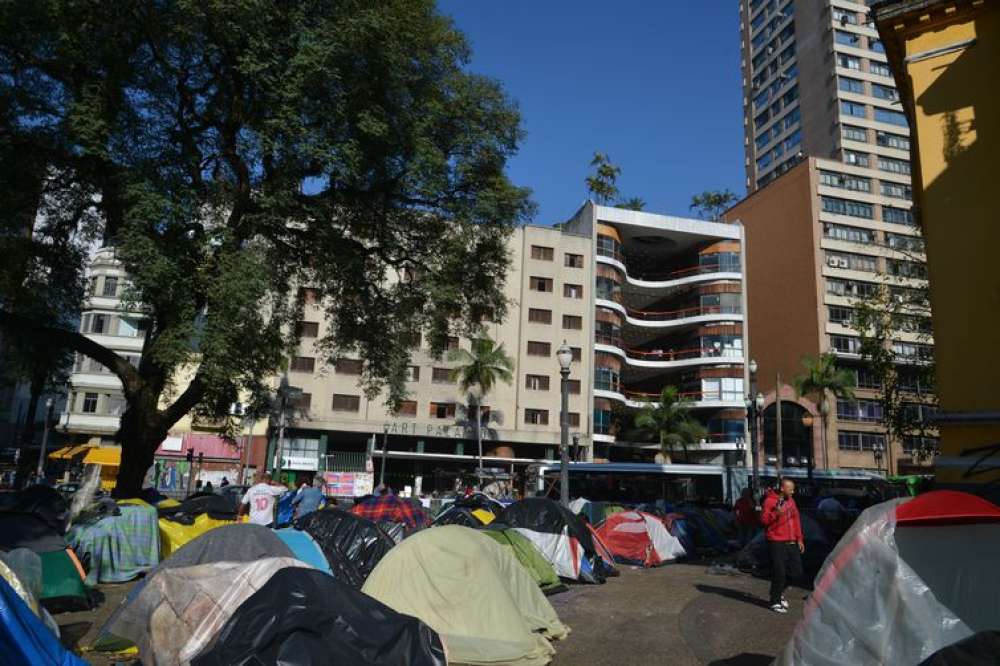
[669,422]
[477,373]
[823,377]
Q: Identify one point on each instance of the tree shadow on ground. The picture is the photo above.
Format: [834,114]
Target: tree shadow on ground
[745,659]
[733,594]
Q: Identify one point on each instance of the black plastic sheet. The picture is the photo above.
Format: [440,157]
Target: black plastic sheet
[304,617]
[352,545]
[34,518]
[215,506]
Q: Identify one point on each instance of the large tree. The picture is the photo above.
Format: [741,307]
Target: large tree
[243,156]
[669,422]
[821,378]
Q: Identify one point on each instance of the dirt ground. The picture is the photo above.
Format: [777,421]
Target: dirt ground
[679,614]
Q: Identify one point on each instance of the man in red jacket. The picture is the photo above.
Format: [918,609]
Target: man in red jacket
[783,531]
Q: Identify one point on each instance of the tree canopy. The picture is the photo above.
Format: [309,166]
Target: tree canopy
[236,154]
[669,422]
[711,204]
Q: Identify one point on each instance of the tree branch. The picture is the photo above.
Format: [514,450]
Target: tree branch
[185,402]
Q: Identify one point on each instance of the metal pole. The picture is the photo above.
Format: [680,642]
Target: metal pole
[564,440]
[754,452]
[385,449]
[281,439]
[45,439]
[780,445]
[479,438]
[245,462]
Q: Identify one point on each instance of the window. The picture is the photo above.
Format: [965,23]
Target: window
[536,416]
[574,386]
[541,283]
[867,378]
[845,344]
[539,348]
[844,17]
[848,207]
[128,327]
[345,403]
[542,253]
[905,243]
[911,351]
[845,181]
[855,158]
[876,46]
[891,117]
[576,353]
[303,364]
[574,419]
[897,215]
[451,343]
[573,290]
[897,190]
[851,85]
[840,315]
[110,287]
[852,440]
[442,410]
[852,109]
[98,323]
[846,233]
[868,411]
[914,443]
[852,133]
[407,408]
[609,247]
[880,68]
[536,382]
[607,379]
[894,166]
[848,62]
[347,366]
[307,329]
[602,421]
[850,288]
[851,261]
[908,269]
[309,295]
[573,260]
[889,140]
[89,403]
[885,92]
[540,316]
[441,375]
[572,322]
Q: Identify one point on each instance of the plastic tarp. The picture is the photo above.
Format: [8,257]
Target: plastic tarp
[174,534]
[304,547]
[118,548]
[303,617]
[528,556]
[894,593]
[22,569]
[462,515]
[34,518]
[215,506]
[25,638]
[639,538]
[352,545]
[180,610]
[560,535]
[495,613]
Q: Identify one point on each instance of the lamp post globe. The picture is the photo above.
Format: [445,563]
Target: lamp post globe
[564,355]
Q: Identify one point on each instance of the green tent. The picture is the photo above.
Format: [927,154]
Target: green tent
[529,557]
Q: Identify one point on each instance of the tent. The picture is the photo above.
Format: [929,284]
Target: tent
[756,559]
[678,526]
[302,617]
[192,518]
[393,509]
[639,538]
[704,532]
[595,512]
[25,638]
[118,548]
[910,577]
[353,546]
[63,588]
[179,610]
[34,518]
[495,613]
[529,557]
[465,516]
[304,547]
[560,535]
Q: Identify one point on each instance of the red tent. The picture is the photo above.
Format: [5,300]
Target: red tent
[635,537]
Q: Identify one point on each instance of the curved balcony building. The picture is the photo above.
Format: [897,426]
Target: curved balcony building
[668,311]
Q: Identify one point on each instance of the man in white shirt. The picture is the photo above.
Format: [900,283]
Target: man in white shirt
[260,500]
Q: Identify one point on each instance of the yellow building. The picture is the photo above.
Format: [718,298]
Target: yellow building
[945,55]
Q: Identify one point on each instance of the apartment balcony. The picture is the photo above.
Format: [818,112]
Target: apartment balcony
[661,281]
[78,422]
[670,358]
[663,319]
[697,399]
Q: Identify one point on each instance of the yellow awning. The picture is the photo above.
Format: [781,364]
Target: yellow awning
[104,455]
[70,452]
[59,454]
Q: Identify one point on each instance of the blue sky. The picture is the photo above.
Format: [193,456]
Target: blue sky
[653,83]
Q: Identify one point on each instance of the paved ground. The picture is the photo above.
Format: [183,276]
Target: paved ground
[680,614]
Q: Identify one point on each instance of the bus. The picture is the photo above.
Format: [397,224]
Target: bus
[633,483]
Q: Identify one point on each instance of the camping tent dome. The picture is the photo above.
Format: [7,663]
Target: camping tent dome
[352,545]
[635,537]
[496,612]
[910,577]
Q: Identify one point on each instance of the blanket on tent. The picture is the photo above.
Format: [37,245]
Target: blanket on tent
[118,548]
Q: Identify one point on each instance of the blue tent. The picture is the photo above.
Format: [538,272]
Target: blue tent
[304,547]
[23,637]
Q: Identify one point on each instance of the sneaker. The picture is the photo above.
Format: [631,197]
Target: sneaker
[778,608]
[784,603]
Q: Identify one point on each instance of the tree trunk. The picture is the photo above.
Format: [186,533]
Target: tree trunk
[24,465]
[141,432]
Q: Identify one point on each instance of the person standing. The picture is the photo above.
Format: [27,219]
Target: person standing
[783,531]
[260,499]
[309,498]
[747,520]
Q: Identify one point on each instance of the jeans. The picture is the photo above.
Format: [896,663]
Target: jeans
[746,533]
[786,562]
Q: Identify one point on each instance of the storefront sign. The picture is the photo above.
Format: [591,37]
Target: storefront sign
[303,463]
[348,484]
[427,430]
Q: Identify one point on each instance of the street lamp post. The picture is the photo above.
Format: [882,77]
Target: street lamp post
[754,405]
[565,356]
[807,421]
[286,393]
[45,438]
[878,450]
[385,449]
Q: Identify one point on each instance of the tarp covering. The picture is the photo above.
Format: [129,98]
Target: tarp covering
[560,535]
[22,569]
[495,613]
[639,538]
[893,593]
[462,515]
[352,545]
[529,557]
[24,637]
[179,611]
[173,534]
[118,548]
[34,518]
[303,617]
[304,547]
[393,509]
[216,506]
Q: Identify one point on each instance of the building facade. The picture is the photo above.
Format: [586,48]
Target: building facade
[944,56]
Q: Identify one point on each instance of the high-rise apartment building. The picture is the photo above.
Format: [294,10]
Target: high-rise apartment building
[829,221]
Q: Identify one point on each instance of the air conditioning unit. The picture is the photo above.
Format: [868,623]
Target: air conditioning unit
[833,262]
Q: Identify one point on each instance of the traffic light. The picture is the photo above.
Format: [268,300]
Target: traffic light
[190,455]
[201,457]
